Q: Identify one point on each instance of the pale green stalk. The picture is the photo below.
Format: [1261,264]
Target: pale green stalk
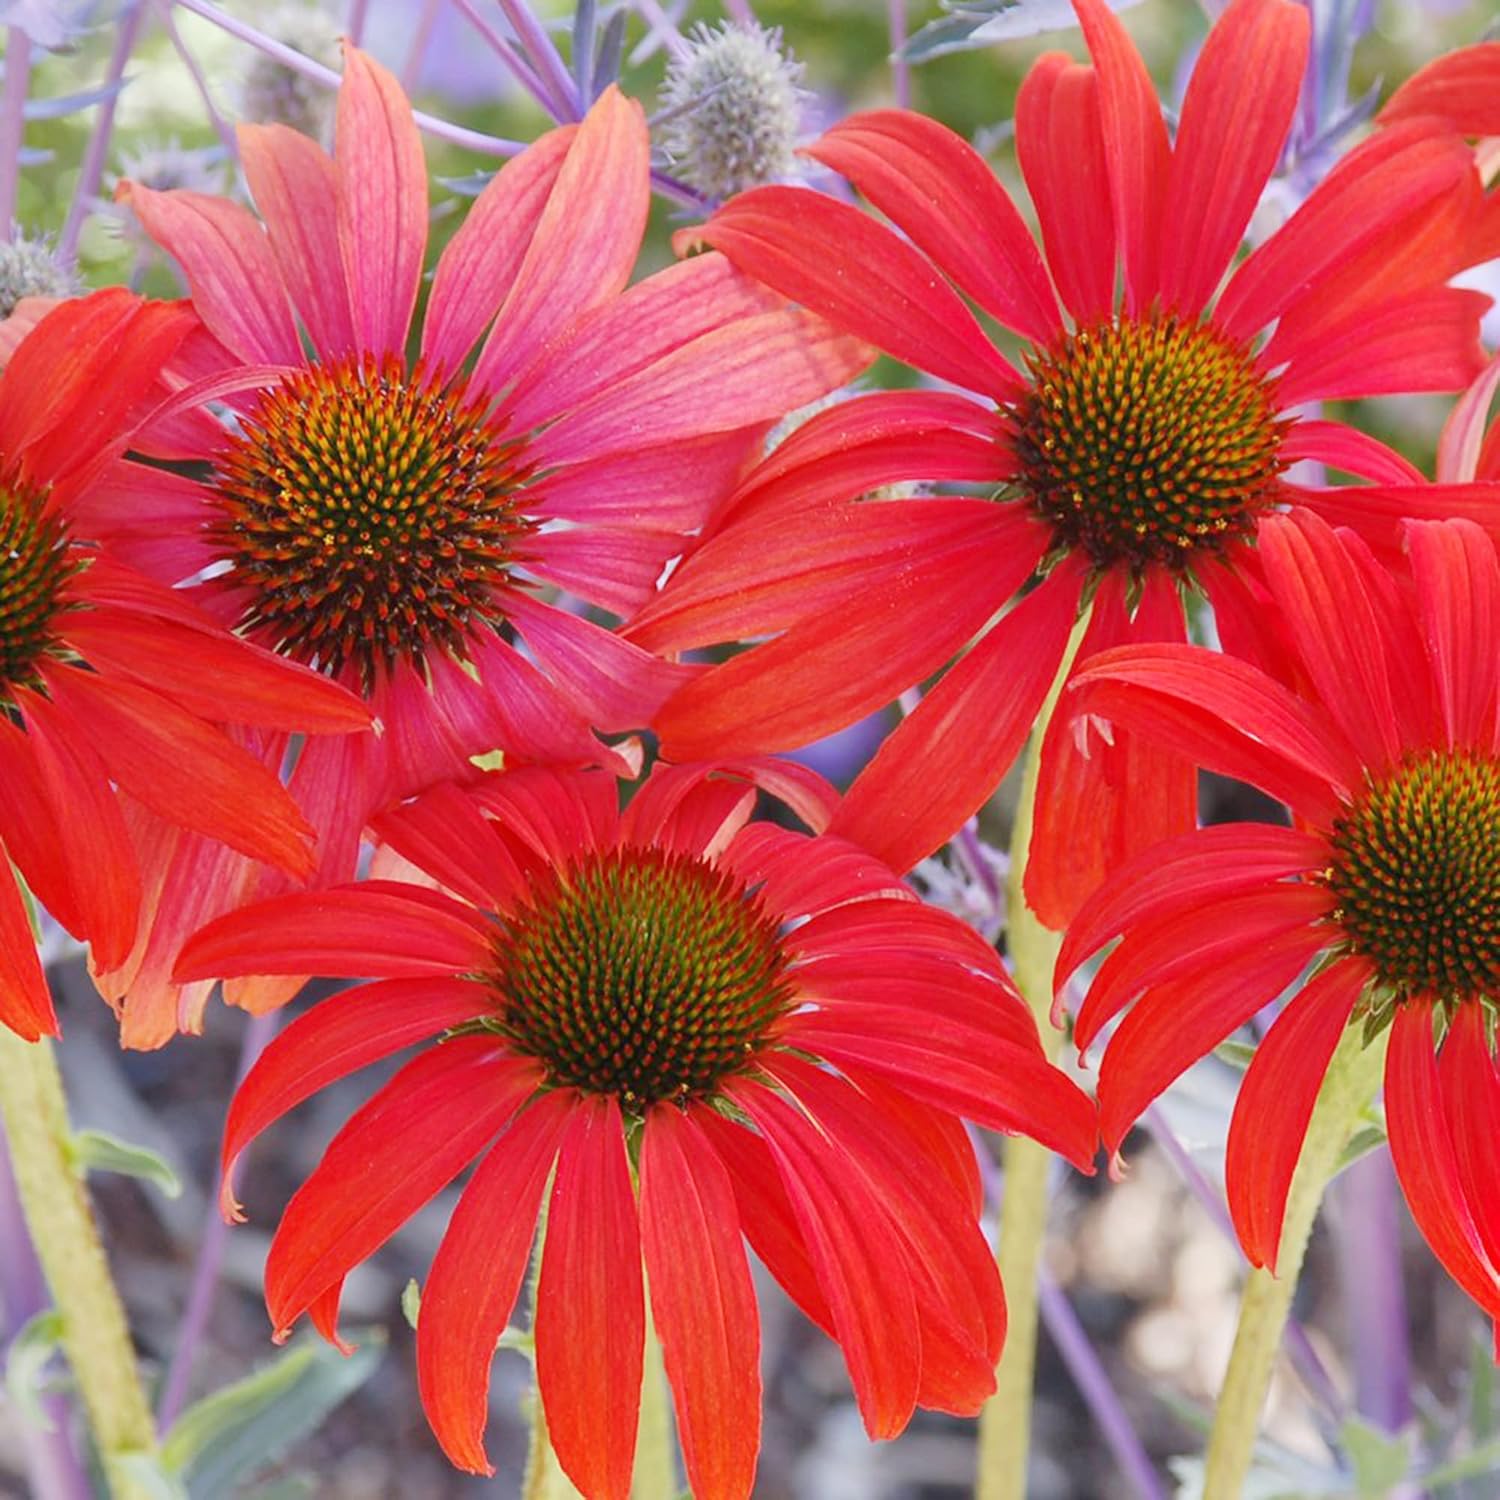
[95,1334]
[1348,1087]
[655,1475]
[1005,1422]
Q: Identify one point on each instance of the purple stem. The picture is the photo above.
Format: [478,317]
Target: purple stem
[356,23]
[1067,1333]
[52,1467]
[1093,1383]
[543,55]
[12,124]
[487,145]
[525,74]
[663,26]
[1309,1363]
[221,126]
[900,68]
[1367,1237]
[967,842]
[91,173]
[258,1033]
[421,38]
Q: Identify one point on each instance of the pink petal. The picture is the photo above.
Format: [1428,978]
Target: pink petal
[382,203]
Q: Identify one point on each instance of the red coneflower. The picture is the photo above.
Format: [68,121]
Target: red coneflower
[709,1028]
[1127,465]
[111,686]
[1382,735]
[389,521]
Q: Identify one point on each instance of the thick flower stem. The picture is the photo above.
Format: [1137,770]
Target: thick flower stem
[655,1461]
[1348,1087]
[1005,1422]
[96,1337]
[544,1479]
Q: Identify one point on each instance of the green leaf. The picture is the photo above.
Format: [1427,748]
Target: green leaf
[411,1302]
[98,1151]
[1482,1389]
[1369,1137]
[236,1432]
[1236,1054]
[1471,1465]
[146,1476]
[36,1343]
[1381,1461]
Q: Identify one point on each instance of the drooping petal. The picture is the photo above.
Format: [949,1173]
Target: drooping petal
[943,195]
[942,762]
[295,187]
[29,831]
[1426,1160]
[25,1003]
[1458,604]
[702,1302]
[395,1154]
[585,243]
[1471,1095]
[1224,715]
[590,1312]
[337,1037]
[1235,117]
[381,203]
[231,273]
[1276,1101]
[858,1258]
[1135,148]
[1175,1024]
[1060,145]
[378,929]
[837,261]
[1184,872]
[476,1276]
[478,266]
[184,769]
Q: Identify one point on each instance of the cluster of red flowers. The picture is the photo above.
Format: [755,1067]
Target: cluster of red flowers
[272,589]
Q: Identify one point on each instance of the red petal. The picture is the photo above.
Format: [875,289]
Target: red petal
[1461,446]
[940,192]
[941,764]
[1426,1159]
[1183,873]
[858,1257]
[335,1038]
[1471,1094]
[382,203]
[702,1302]
[185,770]
[661,812]
[29,830]
[95,846]
[378,929]
[1135,146]
[1342,447]
[1343,645]
[1235,117]
[1458,602]
[25,1003]
[295,187]
[1461,88]
[1177,1023]
[1097,802]
[444,833]
[231,273]
[1061,150]
[590,1315]
[1226,717]
[396,1153]
[479,265]
[836,261]
[476,1276]
[1276,1102]
[585,243]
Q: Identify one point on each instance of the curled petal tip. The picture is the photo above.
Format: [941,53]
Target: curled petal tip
[1118,1170]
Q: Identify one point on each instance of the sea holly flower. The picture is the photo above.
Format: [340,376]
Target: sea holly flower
[1125,467]
[111,686]
[708,1028]
[389,521]
[1382,734]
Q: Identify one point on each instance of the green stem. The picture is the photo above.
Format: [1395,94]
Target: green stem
[1348,1087]
[544,1479]
[96,1336]
[1005,1422]
[655,1475]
